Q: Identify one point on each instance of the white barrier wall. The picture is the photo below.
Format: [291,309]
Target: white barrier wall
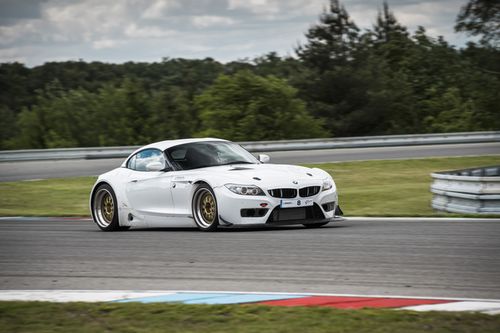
[475,191]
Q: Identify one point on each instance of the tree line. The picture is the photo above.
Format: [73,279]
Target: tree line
[342,82]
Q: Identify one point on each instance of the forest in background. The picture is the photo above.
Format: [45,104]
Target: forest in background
[342,82]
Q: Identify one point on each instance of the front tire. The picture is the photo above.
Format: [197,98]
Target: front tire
[204,207]
[105,209]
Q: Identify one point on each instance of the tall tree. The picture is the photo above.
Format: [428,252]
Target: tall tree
[481,18]
[392,41]
[331,41]
[8,128]
[326,82]
[387,27]
[454,113]
[246,106]
[172,116]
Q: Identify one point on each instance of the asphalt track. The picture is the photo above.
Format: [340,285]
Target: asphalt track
[440,258]
[11,171]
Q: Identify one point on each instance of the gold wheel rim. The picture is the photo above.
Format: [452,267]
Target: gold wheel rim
[107,207]
[207,207]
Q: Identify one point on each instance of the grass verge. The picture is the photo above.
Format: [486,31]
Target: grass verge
[394,187]
[49,197]
[366,188]
[161,317]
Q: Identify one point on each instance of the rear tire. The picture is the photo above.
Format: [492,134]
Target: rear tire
[204,208]
[105,209]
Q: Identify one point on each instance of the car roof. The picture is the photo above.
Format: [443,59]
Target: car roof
[162,145]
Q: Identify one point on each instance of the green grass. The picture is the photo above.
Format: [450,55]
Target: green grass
[50,197]
[161,317]
[367,188]
[394,187]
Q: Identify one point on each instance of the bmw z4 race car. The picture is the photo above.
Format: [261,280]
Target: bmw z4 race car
[209,183]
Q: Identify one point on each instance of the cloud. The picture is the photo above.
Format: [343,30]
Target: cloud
[256,6]
[206,21]
[159,9]
[12,55]
[105,44]
[277,9]
[11,34]
[13,10]
[87,20]
[36,31]
[151,32]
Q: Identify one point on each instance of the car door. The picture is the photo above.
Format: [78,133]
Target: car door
[148,190]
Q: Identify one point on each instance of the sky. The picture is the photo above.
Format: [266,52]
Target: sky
[116,31]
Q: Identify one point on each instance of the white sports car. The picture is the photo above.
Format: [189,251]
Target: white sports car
[211,183]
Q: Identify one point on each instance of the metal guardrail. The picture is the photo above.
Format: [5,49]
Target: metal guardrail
[264,146]
[374,141]
[475,191]
[66,153]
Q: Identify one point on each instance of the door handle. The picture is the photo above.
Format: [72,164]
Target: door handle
[134,181]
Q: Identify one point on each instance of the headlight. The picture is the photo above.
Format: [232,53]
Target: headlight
[327,184]
[245,189]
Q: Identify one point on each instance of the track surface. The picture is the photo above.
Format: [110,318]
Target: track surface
[371,256]
[10,171]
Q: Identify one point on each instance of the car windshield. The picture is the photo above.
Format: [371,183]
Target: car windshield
[207,154]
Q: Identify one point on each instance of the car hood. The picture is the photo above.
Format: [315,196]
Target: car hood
[264,175]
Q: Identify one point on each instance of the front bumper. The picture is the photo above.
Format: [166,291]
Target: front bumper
[230,204]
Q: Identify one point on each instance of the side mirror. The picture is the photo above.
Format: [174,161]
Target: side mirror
[155,166]
[264,158]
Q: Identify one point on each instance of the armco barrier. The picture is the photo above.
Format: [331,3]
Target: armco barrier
[65,153]
[265,146]
[475,191]
[374,141]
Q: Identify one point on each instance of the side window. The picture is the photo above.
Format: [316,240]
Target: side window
[140,160]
